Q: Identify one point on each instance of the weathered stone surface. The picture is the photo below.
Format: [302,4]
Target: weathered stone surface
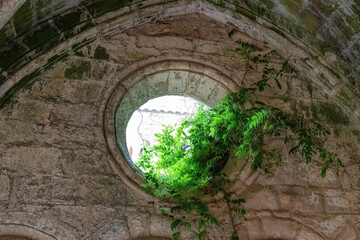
[139,224]
[32,160]
[113,231]
[4,187]
[160,226]
[57,171]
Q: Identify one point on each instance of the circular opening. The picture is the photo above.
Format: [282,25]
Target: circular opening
[151,118]
[163,78]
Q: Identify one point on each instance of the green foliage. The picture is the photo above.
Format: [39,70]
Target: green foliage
[187,162]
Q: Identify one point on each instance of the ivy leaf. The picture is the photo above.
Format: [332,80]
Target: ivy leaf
[176,236]
[234,236]
[186,224]
[214,220]
[278,83]
[175,224]
[231,33]
[238,201]
[201,235]
[163,210]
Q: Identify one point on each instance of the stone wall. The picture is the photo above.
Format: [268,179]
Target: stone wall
[64,176]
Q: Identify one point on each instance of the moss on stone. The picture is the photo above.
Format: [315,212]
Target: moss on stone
[97,8]
[246,13]
[6,34]
[101,53]
[344,94]
[8,57]
[55,59]
[311,21]
[278,31]
[40,36]
[23,17]
[294,6]
[268,3]
[43,8]
[68,21]
[78,69]
[320,46]
[136,55]
[79,53]
[221,3]
[87,24]
[81,44]
[2,79]
[329,112]
[19,85]
[346,30]
[354,21]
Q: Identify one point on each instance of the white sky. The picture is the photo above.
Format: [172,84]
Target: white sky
[142,126]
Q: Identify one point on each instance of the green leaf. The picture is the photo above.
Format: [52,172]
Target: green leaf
[201,235]
[175,224]
[163,210]
[176,236]
[238,201]
[234,236]
[231,33]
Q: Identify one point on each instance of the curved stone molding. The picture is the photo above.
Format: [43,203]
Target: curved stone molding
[22,231]
[115,22]
[150,81]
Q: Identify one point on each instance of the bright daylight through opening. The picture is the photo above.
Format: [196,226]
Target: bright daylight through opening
[150,118]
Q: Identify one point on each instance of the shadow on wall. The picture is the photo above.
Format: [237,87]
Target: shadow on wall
[13,238]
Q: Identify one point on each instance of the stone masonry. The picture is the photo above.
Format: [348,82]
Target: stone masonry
[73,72]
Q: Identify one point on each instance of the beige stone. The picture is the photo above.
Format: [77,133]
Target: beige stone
[139,224]
[63,174]
[32,160]
[4,187]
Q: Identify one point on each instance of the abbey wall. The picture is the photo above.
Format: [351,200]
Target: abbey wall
[73,72]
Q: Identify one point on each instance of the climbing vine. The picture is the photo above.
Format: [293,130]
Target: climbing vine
[186,164]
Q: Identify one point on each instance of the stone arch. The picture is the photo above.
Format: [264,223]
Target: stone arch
[45,55]
[22,232]
[106,24]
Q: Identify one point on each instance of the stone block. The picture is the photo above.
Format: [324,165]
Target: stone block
[262,199]
[160,226]
[45,190]
[337,201]
[83,92]
[4,187]
[32,160]
[348,234]
[177,82]
[139,94]
[217,95]
[139,224]
[114,230]
[75,114]
[84,161]
[158,84]
[199,86]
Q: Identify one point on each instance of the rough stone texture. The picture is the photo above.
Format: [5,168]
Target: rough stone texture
[4,187]
[59,177]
